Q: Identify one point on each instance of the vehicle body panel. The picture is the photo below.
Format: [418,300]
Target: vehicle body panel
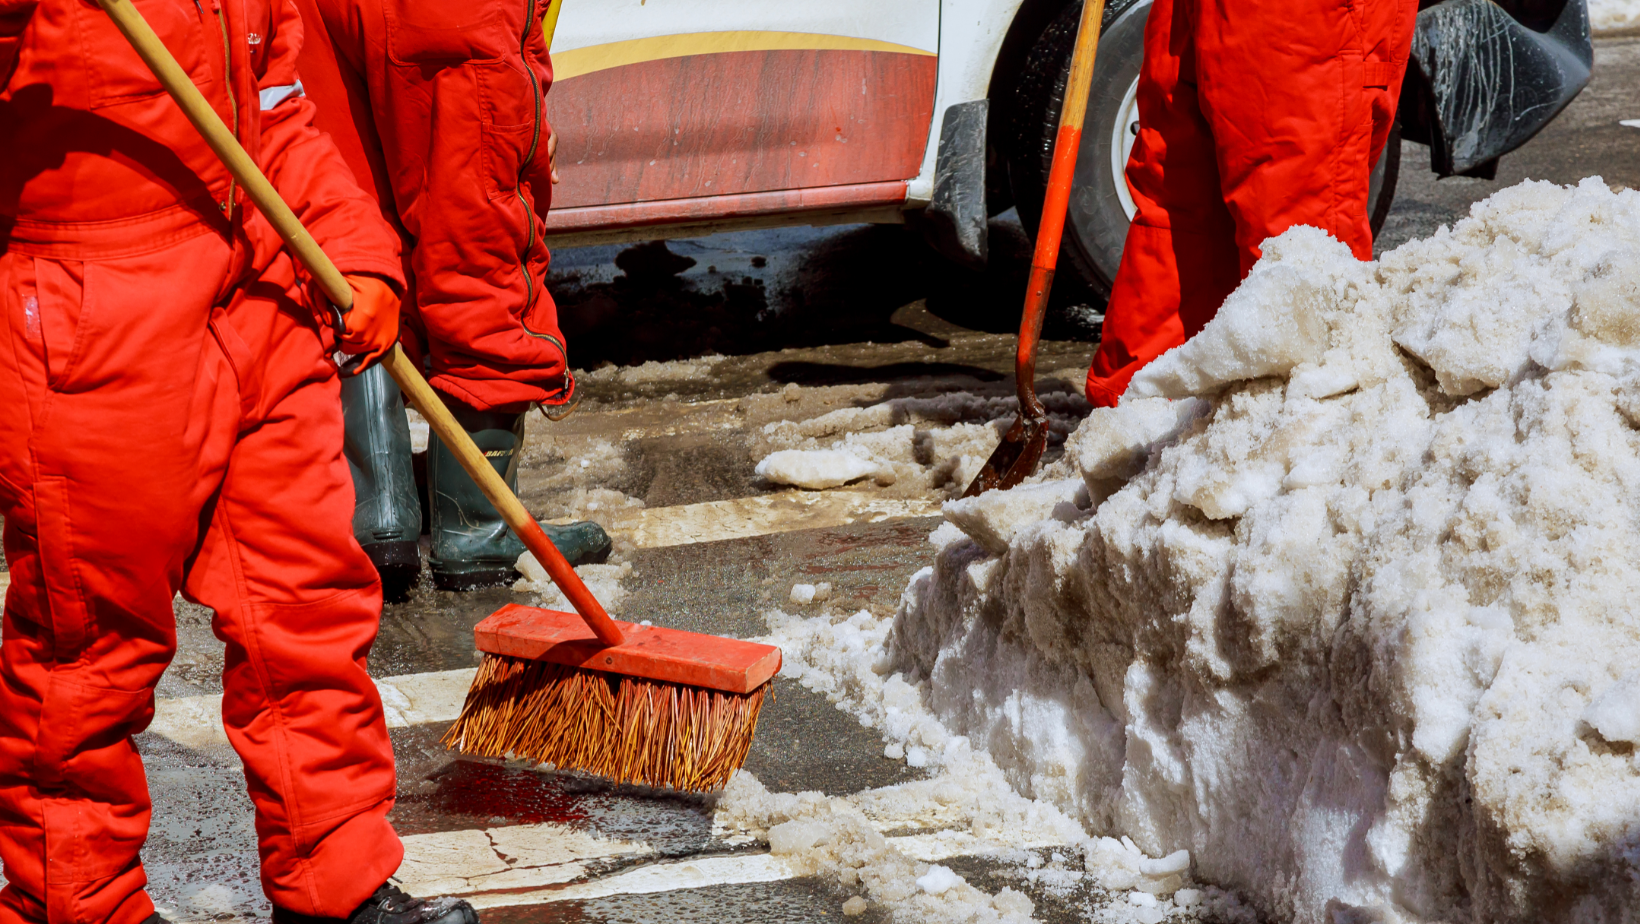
[776,107]
[683,117]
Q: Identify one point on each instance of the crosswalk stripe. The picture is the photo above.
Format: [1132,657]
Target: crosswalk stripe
[735,869]
[761,515]
[408,699]
[512,857]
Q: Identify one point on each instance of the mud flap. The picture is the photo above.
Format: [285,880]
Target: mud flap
[954,223]
[1481,83]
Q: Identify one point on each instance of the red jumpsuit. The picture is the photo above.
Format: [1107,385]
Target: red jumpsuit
[1254,117]
[457,92]
[169,420]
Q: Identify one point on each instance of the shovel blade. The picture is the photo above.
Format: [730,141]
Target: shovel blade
[1015,458]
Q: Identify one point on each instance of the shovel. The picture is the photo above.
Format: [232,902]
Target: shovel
[1020,452]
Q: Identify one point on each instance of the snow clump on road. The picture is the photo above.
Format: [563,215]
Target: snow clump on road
[816,469]
[1343,603]
[921,444]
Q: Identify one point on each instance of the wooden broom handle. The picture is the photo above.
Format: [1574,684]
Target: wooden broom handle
[302,245]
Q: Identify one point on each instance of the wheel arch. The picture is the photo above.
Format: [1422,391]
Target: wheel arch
[1032,17]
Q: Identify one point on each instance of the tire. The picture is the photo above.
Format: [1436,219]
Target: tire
[1101,207]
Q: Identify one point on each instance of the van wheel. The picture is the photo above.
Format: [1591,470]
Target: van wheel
[1101,206]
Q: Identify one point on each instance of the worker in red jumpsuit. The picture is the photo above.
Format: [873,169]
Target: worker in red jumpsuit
[169,422]
[439,109]
[1253,118]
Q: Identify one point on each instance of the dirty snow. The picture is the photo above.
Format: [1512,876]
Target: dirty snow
[654,371]
[605,582]
[816,469]
[966,798]
[1342,603]
[921,445]
[1606,15]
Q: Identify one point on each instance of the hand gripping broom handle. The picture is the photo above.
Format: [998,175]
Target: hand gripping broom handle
[194,105]
[1067,144]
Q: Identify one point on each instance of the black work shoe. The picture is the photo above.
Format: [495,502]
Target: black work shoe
[387,508]
[390,905]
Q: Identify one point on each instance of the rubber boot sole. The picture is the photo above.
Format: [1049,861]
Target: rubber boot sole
[399,564]
[474,577]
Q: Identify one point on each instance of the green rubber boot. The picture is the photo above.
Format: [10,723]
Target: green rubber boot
[386,509]
[472,545]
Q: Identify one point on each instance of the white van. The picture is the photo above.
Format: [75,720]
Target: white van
[682,117]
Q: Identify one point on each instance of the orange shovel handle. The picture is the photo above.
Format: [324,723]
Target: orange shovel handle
[1051,230]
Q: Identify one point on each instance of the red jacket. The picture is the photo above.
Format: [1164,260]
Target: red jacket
[90,136]
[438,106]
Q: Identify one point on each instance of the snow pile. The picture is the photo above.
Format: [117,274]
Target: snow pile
[967,800]
[1345,605]
[919,444]
[1605,15]
[816,469]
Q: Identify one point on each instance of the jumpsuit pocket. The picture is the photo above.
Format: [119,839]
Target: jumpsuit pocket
[58,315]
[511,123]
[450,33]
[503,150]
[69,616]
[114,73]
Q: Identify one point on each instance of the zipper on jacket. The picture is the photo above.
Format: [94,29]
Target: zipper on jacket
[518,189]
[227,82]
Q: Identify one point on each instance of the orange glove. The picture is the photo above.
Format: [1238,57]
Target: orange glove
[372,323]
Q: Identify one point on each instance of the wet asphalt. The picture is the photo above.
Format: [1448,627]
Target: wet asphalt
[846,316]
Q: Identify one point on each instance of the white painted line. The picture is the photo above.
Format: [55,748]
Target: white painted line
[703,872]
[412,699]
[1630,123]
[668,877]
[763,515]
[509,858]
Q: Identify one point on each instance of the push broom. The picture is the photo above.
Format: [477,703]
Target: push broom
[1017,456]
[638,704]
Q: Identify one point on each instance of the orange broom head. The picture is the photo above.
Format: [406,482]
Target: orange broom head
[664,708]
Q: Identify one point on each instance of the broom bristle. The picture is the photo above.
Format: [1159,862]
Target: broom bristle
[627,729]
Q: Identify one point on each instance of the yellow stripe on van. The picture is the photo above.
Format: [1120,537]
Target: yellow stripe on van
[577,61]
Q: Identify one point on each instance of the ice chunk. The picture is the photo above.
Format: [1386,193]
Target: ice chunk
[814,468]
[938,880]
[795,836]
[1615,713]
[993,518]
[802,594]
[1176,862]
[1276,320]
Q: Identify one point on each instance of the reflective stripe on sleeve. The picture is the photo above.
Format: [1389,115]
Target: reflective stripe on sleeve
[273,96]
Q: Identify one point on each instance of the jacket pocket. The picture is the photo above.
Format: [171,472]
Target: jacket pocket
[447,33]
[114,73]
[510,123]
